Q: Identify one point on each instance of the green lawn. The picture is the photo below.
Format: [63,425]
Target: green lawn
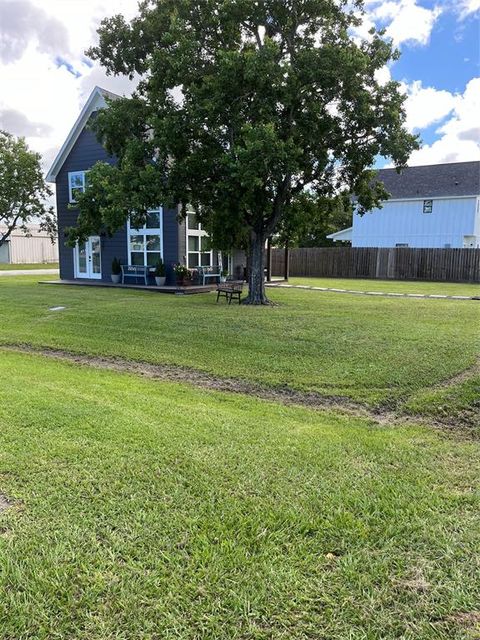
[373,350]
[29,267]
[393,286]
[460,400]
[158,511]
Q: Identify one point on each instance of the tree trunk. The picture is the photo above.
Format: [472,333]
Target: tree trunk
[256,276]
[286,268]
[269,259]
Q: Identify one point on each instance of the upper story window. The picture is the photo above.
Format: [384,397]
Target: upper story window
[199,253]
[427,206]
[145,245]
[77,183]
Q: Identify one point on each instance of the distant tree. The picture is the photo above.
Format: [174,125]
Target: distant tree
[23,192]
[311,218]
[277,99]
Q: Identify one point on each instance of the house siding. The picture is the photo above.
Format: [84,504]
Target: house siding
[182,238]
[403,222]
[84,154]
[170,242]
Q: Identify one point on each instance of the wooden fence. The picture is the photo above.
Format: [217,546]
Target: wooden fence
[454,265]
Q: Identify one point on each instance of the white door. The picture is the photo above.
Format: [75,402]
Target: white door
[88,259]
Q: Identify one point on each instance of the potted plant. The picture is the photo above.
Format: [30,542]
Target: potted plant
[183,274]
[223,275]
[160,274]
[116,271]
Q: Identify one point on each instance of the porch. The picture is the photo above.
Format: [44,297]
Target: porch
[173,289]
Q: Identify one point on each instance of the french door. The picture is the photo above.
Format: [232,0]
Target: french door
[88,259]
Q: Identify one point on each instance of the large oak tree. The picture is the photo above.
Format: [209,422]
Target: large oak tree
[241,107]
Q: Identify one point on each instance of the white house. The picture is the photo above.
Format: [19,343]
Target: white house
[430,206]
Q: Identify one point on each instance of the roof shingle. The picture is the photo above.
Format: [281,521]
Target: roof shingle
[432,181]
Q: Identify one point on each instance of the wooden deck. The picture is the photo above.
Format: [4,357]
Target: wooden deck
[179,291]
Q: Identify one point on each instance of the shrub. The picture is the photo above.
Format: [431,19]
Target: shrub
[116,267]
[160,269]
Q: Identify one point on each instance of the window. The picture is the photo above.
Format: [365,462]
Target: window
[77,183]
[399,245]
[427,206]
[198,249]
[145,245]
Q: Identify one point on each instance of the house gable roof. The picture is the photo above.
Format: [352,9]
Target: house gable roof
[432,181]
[95,102]
[345,235]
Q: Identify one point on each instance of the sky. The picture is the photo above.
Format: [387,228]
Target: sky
[45,77]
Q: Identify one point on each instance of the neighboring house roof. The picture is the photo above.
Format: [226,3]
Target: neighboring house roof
[432,181]
[95,102]
[345,235]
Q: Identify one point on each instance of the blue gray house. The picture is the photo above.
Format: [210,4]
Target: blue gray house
[433,206]
[165,236]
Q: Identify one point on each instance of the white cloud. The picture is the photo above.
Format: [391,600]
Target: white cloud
[383,75]
[459,135]
[426,105]
[467,110]
[22,22]
[410,23]
[466,8]
[447,149]
[40,97]
[17,123]
[41,100]
[405,21]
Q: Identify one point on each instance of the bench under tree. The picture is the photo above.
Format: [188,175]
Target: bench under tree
[230,290]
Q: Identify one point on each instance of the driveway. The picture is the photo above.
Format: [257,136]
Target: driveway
[28,272]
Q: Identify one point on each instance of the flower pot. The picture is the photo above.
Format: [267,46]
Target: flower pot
[223,278]
[116,277]
[160,281]
[184,282]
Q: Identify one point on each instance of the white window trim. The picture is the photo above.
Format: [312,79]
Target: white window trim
[75,173]
[76,272]
[198,233]
[144,231]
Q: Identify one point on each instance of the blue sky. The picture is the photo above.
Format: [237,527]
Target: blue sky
[46,78]
[450,59]
[439,69]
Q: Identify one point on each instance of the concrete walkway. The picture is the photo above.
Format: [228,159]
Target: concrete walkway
[28,272]
[371,293]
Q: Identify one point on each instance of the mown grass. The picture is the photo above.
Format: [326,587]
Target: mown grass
[375,350]
[459,401]
[29,266]
[153,510]
[393,286]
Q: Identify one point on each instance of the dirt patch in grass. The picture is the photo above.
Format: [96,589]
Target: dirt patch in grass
[463,376]
[384,415]
[172,373]
[416,582]
[468,621]
[5,502]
